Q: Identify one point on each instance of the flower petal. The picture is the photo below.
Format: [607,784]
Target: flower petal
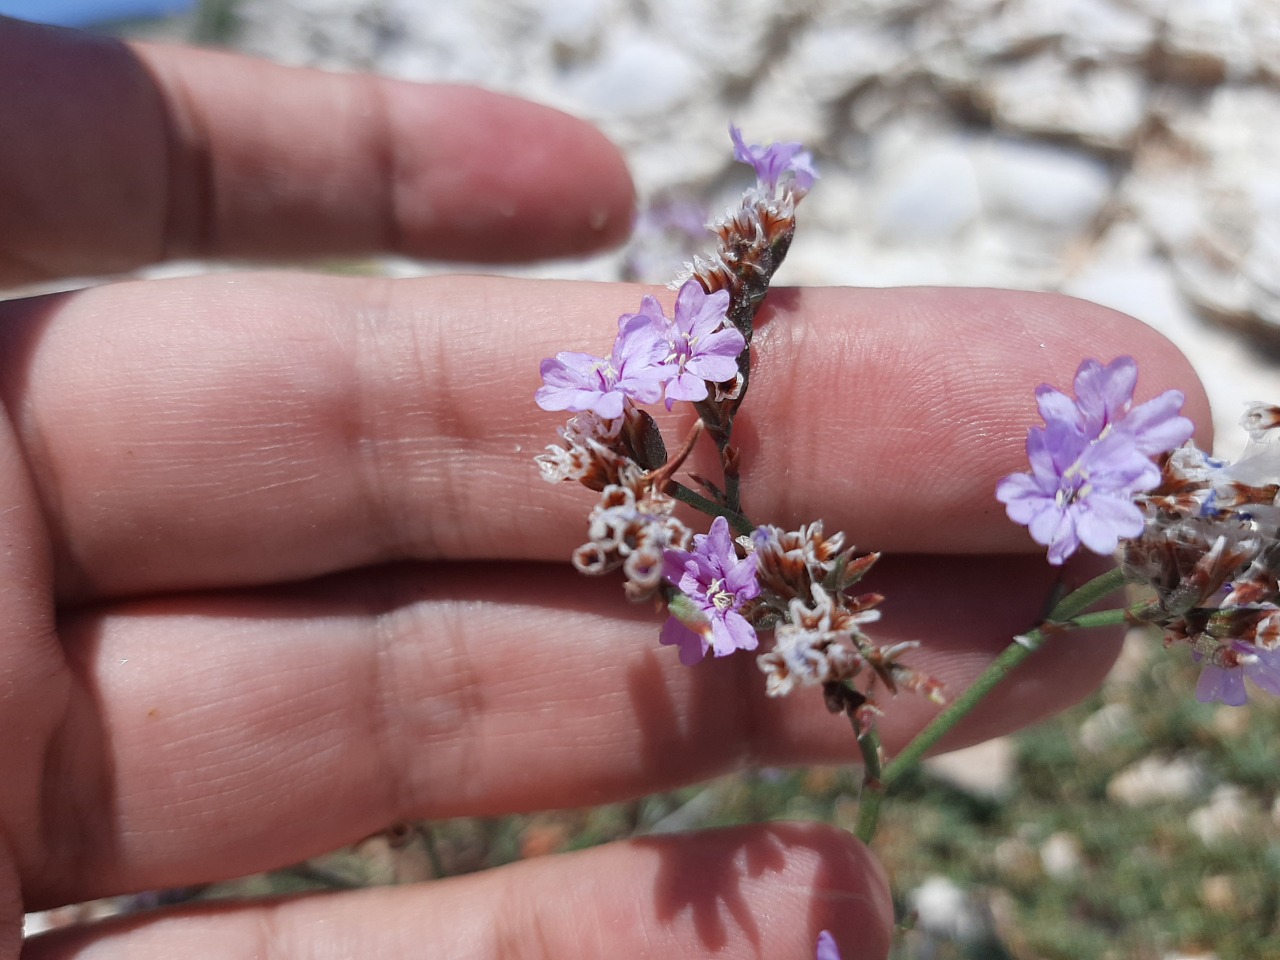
[827,949]
[693,647]
[1157,426]
[1101,521]
[1104,394]
[1217,683]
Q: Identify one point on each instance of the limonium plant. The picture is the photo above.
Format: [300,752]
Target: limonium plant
[1106,475]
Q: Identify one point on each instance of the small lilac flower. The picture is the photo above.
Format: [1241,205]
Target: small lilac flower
[1104,402]
[636,370]
[1090,459]
[771,163]
[703,347]
[717,583]
[1077,492]
[1223,676]
[827,949]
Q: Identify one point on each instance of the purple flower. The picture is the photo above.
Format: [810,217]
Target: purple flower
[1104,403]
[1223,676]
[716,584]
[1090,459]
[774,161]
[1077,492]
[636,370]
[703,348]
[827,949]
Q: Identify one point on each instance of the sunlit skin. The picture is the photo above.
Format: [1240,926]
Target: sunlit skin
[278,570]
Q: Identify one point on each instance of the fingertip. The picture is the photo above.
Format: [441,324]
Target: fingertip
[167,151]
[851,895]
[763,890]
[798,878]
[491,177]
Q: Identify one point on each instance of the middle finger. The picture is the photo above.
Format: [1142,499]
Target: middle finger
[222,431]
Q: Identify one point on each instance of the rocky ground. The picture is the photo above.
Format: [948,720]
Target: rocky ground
[1119,150]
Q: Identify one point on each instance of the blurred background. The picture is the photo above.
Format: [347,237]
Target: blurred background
[1124,151]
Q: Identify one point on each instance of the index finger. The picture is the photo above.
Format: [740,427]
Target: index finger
[132,154]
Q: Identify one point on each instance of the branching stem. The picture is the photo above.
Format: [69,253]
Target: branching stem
[1066,615]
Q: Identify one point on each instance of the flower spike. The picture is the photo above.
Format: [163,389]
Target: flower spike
[776,161]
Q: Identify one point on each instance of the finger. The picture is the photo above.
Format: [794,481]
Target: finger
[134,154]
[219,736]
[748,892]
[360,421]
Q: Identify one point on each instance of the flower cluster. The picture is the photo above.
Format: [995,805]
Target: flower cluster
[1090,459]
[720,592]
[1210,551]
[715,584]
[775,163]
[819,640]
[651,353]
[1202,534]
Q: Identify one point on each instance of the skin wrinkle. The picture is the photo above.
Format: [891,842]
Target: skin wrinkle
[381,640]
[444,405]
[385,148]
[27,442]
[363,425]
[191,188]
[398,741]
[448,717]
[76,826]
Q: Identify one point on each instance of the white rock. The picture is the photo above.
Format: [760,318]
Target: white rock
[1086,30]
[831,61]
[729,37]
[636,75]
[1105,31]
[944,910]
[1106,727]
[1034,184]
[1168,203]
[929,194]
[1015,29]
[1228,813]
[1103,106]
[984,770]
[1205,39]
[1061,856]
[575,24]
[1157,780]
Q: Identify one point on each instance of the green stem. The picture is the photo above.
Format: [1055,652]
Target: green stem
[1086,595]
[732,491]
[740,524]
[1102,618]
[1065,615]
[869,744]
[872,785]
[999,668]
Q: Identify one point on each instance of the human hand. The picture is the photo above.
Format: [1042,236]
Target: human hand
[279,572]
